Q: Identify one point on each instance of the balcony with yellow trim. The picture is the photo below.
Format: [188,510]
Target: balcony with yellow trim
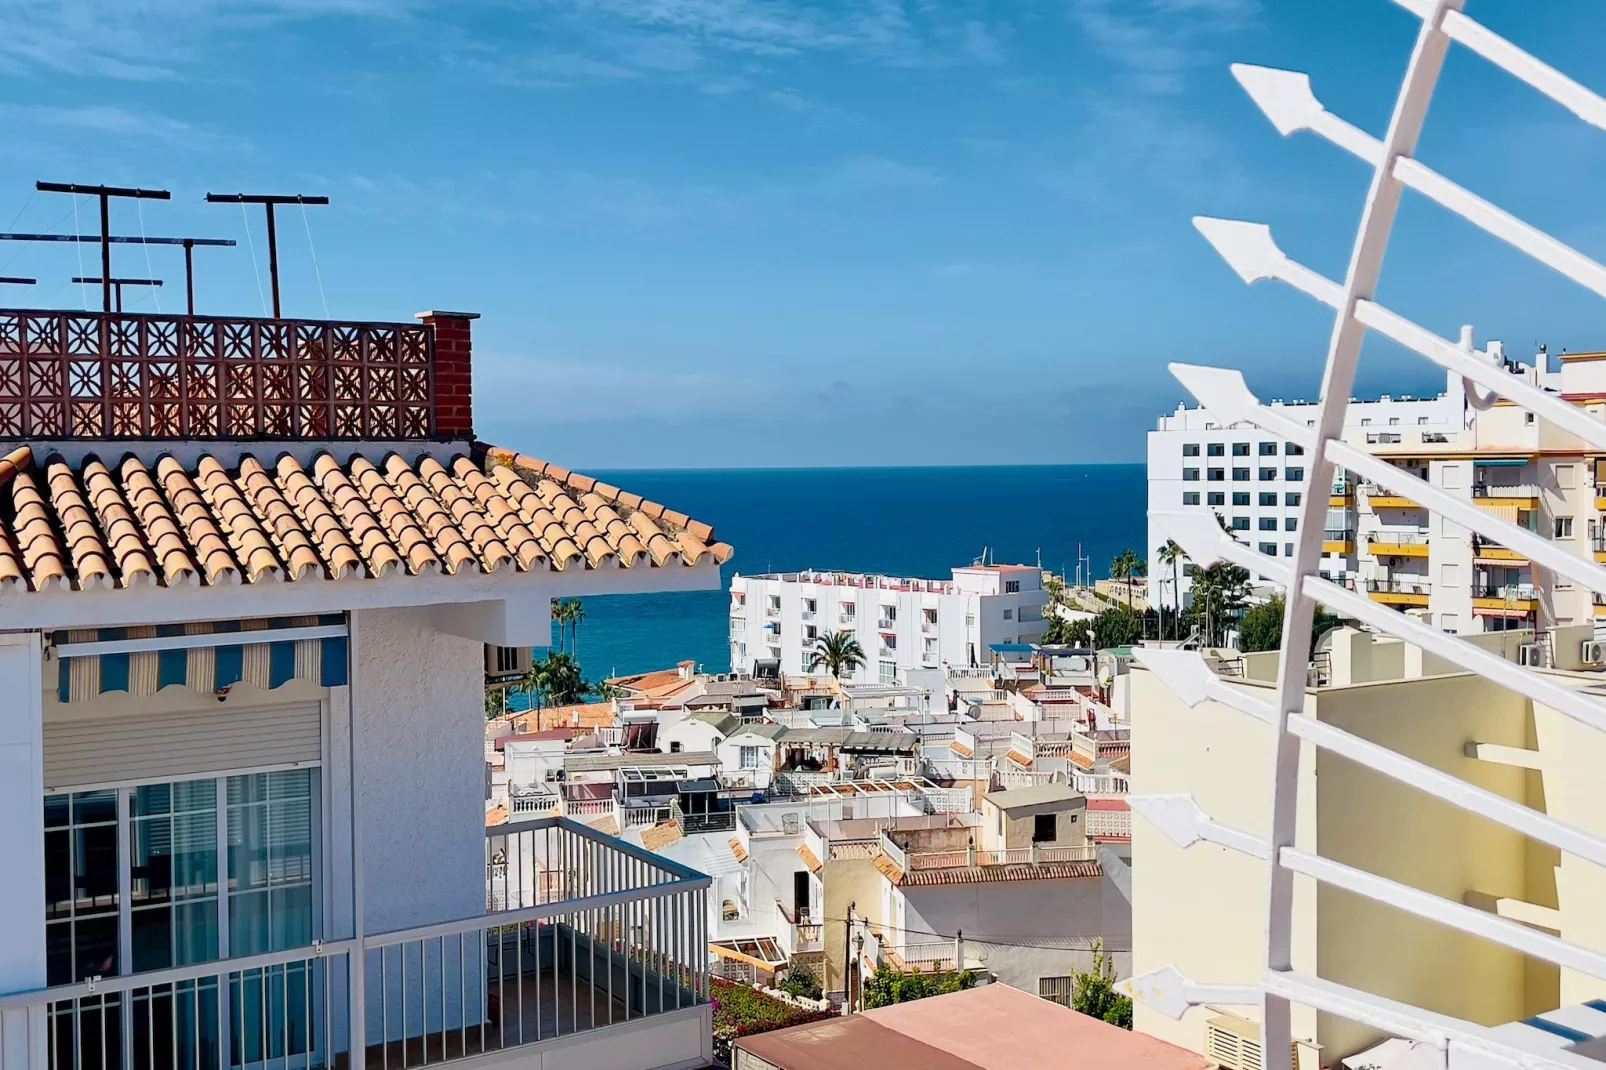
[1338,541]
[1521,597]
[1383,499]
[1518,496]
[1397,544]
[1398,592]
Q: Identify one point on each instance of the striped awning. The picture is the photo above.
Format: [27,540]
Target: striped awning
[206,666]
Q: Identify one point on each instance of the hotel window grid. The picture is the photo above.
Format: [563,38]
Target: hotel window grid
[1268,475]
[1268,523]
[1216,497]
[1217,475]
[1240,523]
[1215,449]
[1268,449]
[1240,449]
[1291,498]
[1190,497]
[1269,549]
[1190,449]
[1268,497]
[1295,475]
[1190,475]
[1290,523]
[1291,450]
[1288,549]
[1240,497]
[1240,475]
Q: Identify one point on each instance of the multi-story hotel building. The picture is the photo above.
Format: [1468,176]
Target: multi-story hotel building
[901,624]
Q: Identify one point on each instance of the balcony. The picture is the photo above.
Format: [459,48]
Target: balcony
[808,614]
[886,624]
[1397,544]
[587,940]
[1519,597]
[847,618]
[1338,541]
[691,824]
[1399,592]
[971,857]
[1520,495]
[802,935]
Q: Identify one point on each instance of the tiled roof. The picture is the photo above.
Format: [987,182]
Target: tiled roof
[808,858]
[960,749]
[1023,871]
[658,837]
[1020,759]
[1081,760]
[576,716]
[1123,764]
[738,850]
[496,815]
[241,518]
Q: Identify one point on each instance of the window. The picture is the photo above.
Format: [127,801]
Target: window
[806,662]
[1528,418]
[1240,497]
[811,632]
[1190,497]
[1394,421]
[749,757]
[1269,549]
[1240,475]
[1045,828]
[1564,527]
[1240,523]
[1216,475]
[1012,586]
[1566,476]
[1268,498]
[1291,498]
[1268,475]
[1294,475]
[1240,449]
[1190,449]
[1366,421]
[1291,450]
[1216,497]
[674,748]
[889,613]
[1421,421]
[1009,614]
[1268,523]
[1449,622]
[1190,475]
[889,672]
[1268,449]
[810,605]
[1290,523]
[1056,989]
[1288,549]
[1215,449]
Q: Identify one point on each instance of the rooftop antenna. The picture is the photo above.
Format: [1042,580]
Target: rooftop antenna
[105,193]
[189,244]
[268,201]
[116,285]
[12,280]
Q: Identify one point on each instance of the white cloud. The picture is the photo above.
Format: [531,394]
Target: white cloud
[1158,42]
[134,124]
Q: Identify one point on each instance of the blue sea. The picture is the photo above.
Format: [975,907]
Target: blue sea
[901,521]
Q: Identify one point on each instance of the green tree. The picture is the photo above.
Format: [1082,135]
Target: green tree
[577,615]
[1126,566]
[560,617]
[555,681]
[836,651]
[1093,992]
[495,702]
[605,691]
[888,986]
[1219,594]
[801,983]
[1079,633]
[1261,627]
[1117,627]
[1171,553]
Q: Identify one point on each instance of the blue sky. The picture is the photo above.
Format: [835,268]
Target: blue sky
[711,233]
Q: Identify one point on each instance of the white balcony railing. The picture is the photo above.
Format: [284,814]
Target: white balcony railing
[600,935]
[584,809]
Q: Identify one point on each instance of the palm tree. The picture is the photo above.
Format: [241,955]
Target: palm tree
[560,616]
[1125,567]
[577,613]
[836,651]
[1172,553]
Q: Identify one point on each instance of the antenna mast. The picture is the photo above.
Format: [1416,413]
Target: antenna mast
[105,193]
[270,201]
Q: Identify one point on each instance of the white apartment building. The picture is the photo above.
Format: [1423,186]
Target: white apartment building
[1255,482]
[241,742]
[902,624]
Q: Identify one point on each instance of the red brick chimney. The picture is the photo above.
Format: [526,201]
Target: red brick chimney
[454,376]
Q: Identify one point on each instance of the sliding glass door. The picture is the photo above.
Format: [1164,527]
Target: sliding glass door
[136,881]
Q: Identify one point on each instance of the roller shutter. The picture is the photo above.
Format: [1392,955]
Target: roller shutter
[171,746]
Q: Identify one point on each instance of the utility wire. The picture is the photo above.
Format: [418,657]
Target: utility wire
[156,293]
[83,292]
[314,251]
[24,248]
[994,941]
[252,245]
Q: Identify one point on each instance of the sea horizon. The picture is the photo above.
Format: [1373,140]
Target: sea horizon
[906,520]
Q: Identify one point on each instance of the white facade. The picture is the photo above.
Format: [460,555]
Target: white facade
[1256,483]
[902,624]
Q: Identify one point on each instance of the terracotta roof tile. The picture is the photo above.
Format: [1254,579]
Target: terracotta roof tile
[738,850]
[808,858]
[960,749]
[1023,871]
[660,836]
[233,519]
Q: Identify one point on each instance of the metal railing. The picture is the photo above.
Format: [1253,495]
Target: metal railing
[1398,586]
[1517,592]
[691,824]
[1338,535]
[113,375]
[1397,538]
[971,857]
[587,932]
[1510,490]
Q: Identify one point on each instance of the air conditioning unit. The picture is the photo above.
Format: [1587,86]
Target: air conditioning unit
[1592,652]
[1531,655]
[506,662]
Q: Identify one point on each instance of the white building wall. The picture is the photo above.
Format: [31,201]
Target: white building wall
[22,842]
[420,756]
